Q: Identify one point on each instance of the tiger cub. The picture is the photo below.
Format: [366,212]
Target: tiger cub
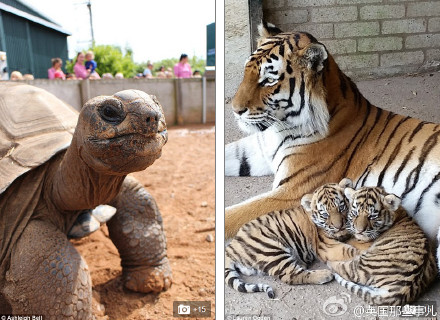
[399,265]
[283,243]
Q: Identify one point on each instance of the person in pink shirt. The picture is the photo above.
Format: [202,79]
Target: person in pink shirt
[182,69]
[80,69]
[55,72]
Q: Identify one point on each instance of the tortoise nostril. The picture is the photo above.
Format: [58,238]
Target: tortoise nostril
[152,118]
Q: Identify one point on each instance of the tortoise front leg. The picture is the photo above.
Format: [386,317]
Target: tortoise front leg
[47,276]
[137,232]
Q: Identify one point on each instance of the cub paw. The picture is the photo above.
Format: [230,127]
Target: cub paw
[324,276]
[149,279]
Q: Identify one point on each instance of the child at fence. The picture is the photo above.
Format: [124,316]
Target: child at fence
[91,65]
[55,72]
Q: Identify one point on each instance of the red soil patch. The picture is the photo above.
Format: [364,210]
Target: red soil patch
[183,183]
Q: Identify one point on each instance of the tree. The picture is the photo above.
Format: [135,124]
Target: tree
[110,59]
[195,62]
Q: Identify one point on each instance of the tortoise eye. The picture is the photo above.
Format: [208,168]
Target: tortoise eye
[112,114]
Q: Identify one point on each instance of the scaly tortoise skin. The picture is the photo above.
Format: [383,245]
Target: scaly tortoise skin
[45,184]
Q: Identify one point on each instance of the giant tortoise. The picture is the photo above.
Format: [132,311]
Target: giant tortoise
[50,172]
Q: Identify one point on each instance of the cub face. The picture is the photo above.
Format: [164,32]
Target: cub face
[328,207]
[372,212]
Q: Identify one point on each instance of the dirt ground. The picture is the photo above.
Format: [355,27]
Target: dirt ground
[183,183]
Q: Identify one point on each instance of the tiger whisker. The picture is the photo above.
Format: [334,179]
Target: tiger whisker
[282,124]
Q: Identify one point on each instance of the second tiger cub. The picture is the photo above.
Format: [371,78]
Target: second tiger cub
[400,263]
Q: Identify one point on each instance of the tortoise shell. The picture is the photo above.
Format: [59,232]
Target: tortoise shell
[34,126]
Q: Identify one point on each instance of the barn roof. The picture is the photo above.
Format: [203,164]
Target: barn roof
[19,9]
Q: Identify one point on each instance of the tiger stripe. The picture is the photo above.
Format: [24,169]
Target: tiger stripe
[399,265]
[283,243]
[320,128]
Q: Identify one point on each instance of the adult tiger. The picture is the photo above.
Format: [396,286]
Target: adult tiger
[311,125]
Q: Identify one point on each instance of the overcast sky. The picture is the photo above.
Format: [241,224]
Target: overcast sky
[155,30]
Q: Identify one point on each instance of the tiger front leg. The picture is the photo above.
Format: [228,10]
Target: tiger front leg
[248,157]
[137,232]
[333,250]
[296,274]
[361,246]
[240,214]
[346,269]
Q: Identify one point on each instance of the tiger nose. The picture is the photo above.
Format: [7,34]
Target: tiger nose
[239,110]
[360,227]
[337,224]
[337,221]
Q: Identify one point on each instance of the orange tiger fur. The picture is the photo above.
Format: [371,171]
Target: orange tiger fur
[370,145]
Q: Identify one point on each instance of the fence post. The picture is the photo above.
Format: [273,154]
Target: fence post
[179,103]
[85,90]
[255,18]
[204,99]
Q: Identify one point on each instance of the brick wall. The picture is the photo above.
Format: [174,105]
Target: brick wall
[368,38]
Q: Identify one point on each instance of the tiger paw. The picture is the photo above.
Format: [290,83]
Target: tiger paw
[149,279]
[333,264]
[323,276]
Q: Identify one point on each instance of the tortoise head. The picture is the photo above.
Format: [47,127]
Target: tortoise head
[122,133]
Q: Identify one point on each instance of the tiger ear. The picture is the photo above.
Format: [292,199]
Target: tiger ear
[392,202]
[346,183]
[349,193]
[265,30]
[314,56]
[306,202]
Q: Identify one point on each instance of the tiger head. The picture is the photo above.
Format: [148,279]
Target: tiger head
[283,85]
[372,211]
[328,207]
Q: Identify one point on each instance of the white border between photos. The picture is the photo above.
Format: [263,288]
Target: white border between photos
[219,160]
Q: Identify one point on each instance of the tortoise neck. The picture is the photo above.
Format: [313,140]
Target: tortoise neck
[76,186]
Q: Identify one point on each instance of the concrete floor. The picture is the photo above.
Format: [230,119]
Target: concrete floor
[414,95]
